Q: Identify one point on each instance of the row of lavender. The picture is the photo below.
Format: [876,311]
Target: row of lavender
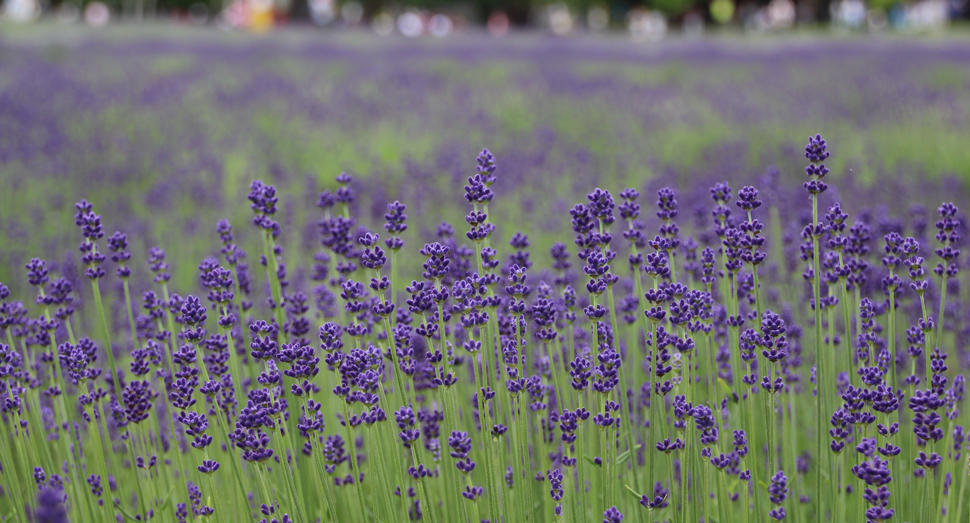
[670,385]
[164,133]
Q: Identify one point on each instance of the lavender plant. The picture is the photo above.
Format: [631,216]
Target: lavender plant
[660,390]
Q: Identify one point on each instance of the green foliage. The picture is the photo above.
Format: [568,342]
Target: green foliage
[672,7]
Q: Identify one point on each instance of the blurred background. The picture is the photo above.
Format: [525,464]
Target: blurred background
[163,126]
[641,19]
[162,111]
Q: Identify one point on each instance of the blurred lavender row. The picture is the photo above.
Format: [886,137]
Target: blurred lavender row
[165,134]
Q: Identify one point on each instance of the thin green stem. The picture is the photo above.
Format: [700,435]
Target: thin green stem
[820,374]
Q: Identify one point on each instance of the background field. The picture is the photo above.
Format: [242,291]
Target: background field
[163,130]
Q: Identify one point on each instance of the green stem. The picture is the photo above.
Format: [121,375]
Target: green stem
[107,341]
[962,497]
[358,484]
[820,365]
[131,317]
[892,334]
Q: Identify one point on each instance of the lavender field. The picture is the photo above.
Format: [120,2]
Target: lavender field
[166,132]
[326,302]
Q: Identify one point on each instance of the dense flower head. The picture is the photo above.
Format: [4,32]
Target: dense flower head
[89,222]
[158,265]
[612,515]
[262,198]
[816,151]
[601,206]
[137,396]
[396,219]
[37,274]
[874,472]
[740,443]
[666,204]
[486,166]
[778,490]
[748,199]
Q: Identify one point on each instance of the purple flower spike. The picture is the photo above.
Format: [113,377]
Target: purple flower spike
[612,515]
[817,152]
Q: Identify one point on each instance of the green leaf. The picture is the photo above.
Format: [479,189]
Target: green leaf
[622,458]
[125,512]
[635,493]
[166,499]
[725,389]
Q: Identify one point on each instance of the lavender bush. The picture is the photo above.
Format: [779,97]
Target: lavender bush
[675,358]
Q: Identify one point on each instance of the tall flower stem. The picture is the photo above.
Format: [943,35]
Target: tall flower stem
[234,457]
[449,422]
[485,421]
[846,315]
[13,483]
[891,335]
[621,395]
[820,373]
[388,506]
[580,466]
[358,484]
[947,470]
[107,339]
[963,485]
[272,268]
[939,325]
[131,317]
[481,379]
[234,362]
[322,475]
[645,326]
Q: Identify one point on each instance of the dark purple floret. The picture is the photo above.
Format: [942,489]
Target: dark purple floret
[137,399]
[40,478]
[555,478]
[460,443]
[612,515]
[659,499]
[778,490]
[748,199]
[740,443]
[817,152]
[629,209]
[874,473]
[94,481]
[208,466]
[472,493]
[601,206]
[721,193]
[486,166]
[158,265]
[928,462]
[37,274]
[396,219]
